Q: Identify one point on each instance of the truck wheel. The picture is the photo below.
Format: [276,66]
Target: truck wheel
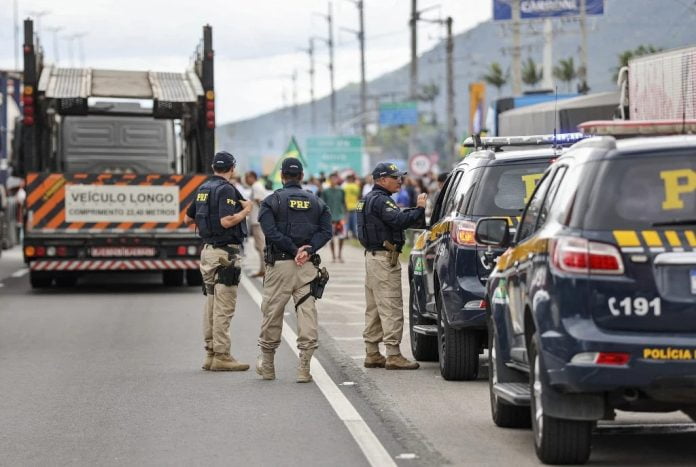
[424,348]
[66,279]
[193,277]
[504,414]
[557,441]
[40,279]
[173,278]
[458,350]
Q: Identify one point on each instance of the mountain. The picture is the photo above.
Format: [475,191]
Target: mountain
[625,25]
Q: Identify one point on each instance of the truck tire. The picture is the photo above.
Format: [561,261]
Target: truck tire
[423,348]
[193,277]
[173,278]
[556,441]
[458,349]
[40,279]
[504,414]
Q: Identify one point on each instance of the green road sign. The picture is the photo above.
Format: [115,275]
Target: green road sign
[327,154]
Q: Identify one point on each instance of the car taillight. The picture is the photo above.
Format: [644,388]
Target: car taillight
[578,255]
[602,358]
[181,250]
[462,233]
[40,251]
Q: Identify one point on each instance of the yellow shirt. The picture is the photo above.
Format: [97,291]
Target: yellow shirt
[352,195]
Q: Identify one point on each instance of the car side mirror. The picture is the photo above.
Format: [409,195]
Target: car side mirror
[493,231]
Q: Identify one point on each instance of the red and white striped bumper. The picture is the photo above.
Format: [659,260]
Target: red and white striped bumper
[113,264]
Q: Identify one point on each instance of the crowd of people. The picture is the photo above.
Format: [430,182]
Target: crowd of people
[341,191]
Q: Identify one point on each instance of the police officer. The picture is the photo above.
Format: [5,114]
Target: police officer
[381,226]
[296,224]
[219,211]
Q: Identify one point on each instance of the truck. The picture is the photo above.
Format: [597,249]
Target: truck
[10,84]
[111,160]
[659,86]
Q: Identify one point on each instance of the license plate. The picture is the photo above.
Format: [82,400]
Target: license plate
[693,281]
[121,251]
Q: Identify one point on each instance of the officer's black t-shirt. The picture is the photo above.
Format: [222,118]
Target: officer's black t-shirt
[229,202]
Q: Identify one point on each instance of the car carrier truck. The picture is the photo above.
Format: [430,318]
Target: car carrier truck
[111,160]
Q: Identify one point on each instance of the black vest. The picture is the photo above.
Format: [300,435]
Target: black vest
[372,231]
[296,213]
[208,215]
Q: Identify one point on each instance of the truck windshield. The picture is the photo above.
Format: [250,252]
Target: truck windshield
[656,190]
[504,189]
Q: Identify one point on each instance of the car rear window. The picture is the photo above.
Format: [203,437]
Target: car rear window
[505,189]
[644,191]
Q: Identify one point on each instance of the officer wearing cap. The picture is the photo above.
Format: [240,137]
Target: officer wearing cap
[219,212]
[296,224]
[381,225]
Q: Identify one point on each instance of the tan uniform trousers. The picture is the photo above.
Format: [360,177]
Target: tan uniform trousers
[219,307]
[384,315]
[284,280]
[259,244]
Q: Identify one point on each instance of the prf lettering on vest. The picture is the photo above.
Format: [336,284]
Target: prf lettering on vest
[677,183]
[299,204]
[202,197]
[530,182]
[231,201]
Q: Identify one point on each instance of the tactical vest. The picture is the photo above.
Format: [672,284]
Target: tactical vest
[297,213]
[372,231]
[208,215]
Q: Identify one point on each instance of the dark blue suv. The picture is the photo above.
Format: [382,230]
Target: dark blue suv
[448,269]
[593,306]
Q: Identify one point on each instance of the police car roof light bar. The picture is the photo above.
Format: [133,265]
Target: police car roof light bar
[638,127]
[561,139]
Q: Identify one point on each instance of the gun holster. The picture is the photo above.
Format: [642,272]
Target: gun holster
[317,286]
[229,275]
[268,257]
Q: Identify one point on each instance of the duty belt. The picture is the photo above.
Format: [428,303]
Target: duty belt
[231,248]
[282,256]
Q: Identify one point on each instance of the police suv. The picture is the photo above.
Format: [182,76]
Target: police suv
[448,269]
[593,306]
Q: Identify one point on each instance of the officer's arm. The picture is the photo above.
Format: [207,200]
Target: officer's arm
[234,219]
[322,236]
[229,202]
[398,219]
[271,232]
[190,214]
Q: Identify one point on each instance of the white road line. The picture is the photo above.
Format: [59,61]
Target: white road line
[368,442]
[20,273]
[352,338]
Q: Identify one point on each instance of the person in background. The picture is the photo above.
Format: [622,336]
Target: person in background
[335,199]
[367,185]
[352,195]
[257,193]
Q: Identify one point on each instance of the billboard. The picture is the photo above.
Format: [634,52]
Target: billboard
[331,153]
[534,9]
[398,113]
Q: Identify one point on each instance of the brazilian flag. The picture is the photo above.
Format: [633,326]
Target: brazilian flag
[293,150]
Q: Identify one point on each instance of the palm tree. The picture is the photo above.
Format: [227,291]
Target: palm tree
[565,71]
[495,76]
[531,73]
[628,55]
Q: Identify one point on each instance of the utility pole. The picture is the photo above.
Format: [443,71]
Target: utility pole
[330,44]
[451,131]
[360,34]
[413,88]
[310,52]
[516,49]
[583,46]
[294,102]
[55,30]
[329,19]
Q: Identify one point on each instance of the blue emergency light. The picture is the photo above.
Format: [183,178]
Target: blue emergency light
[561,139]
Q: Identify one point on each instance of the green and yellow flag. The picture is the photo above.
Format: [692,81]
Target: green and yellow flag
[293,150]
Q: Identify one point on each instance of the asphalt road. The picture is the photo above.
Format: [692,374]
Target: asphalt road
[108,373]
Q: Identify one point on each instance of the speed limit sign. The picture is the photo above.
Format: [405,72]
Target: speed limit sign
[419,164]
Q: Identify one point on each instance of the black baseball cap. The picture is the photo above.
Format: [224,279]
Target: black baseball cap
[291,166]
[387,169]
[224,160]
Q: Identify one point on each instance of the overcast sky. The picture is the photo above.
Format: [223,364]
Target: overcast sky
[256,42]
